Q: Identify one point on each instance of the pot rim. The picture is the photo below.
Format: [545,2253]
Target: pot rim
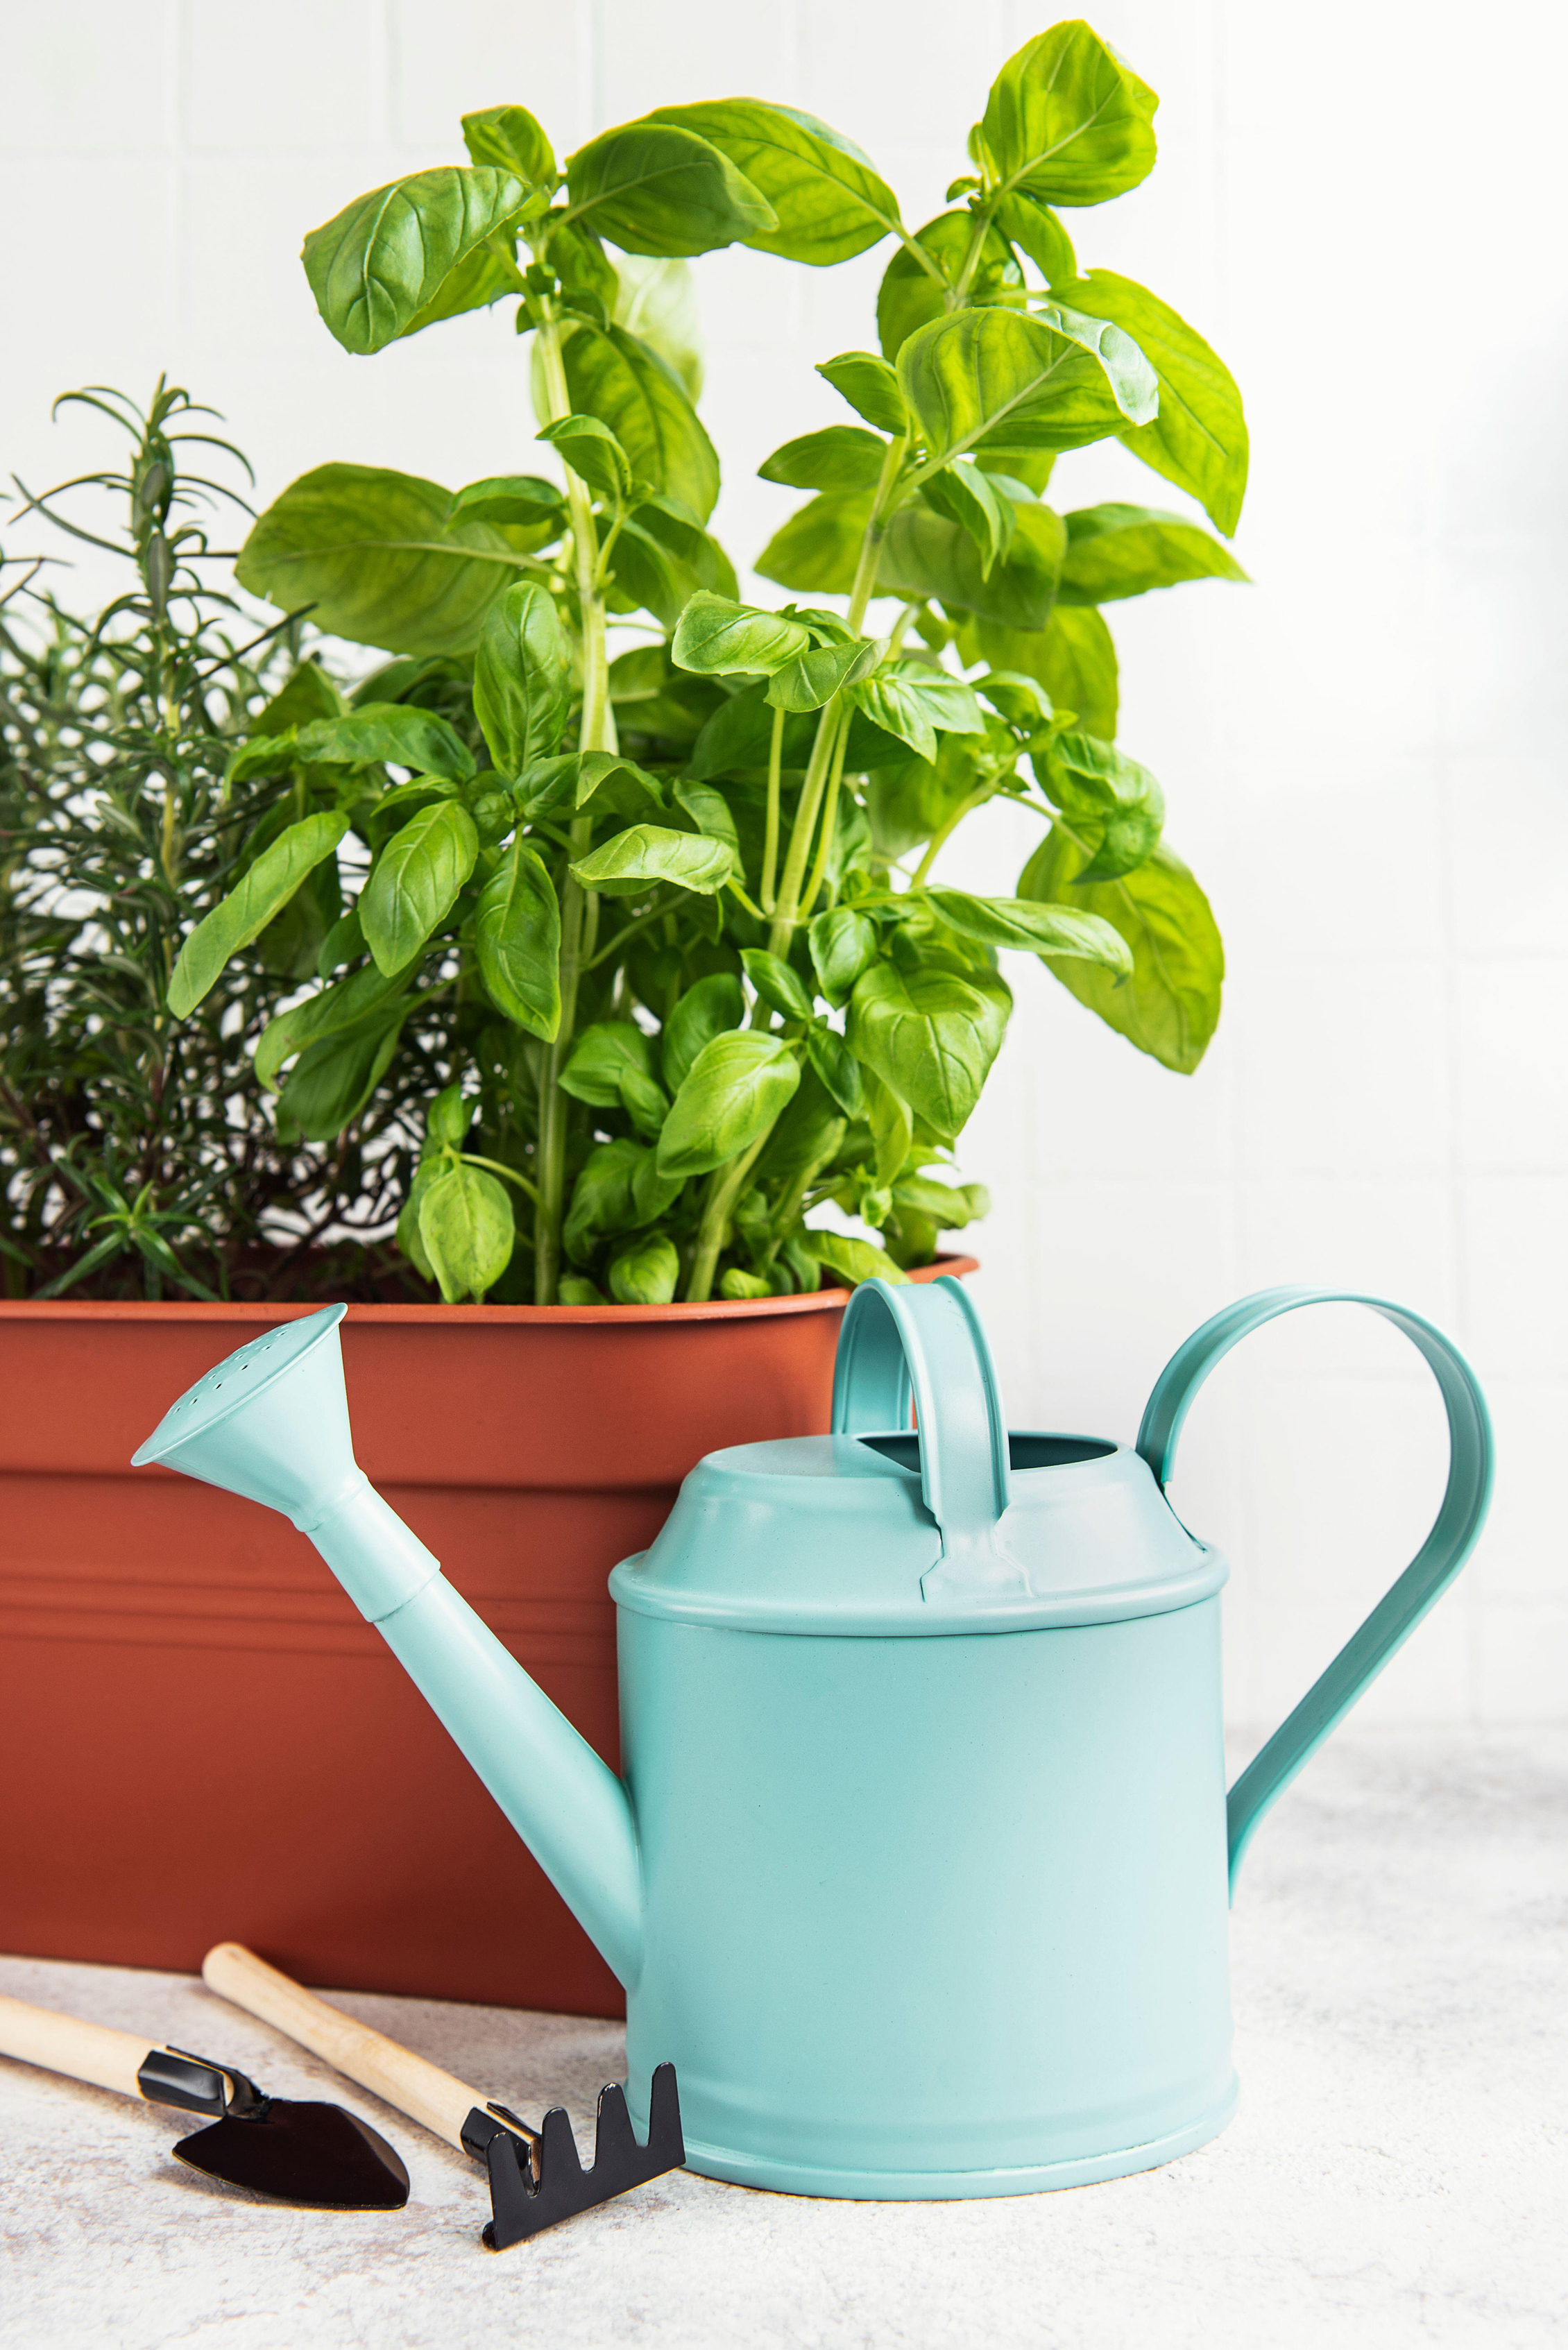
[197,1310]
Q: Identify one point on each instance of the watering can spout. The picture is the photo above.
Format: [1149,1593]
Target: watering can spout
[271,1422]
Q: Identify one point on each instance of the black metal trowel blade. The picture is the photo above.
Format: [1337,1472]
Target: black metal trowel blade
[302,2152]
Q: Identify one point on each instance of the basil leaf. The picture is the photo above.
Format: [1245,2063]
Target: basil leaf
[344,942]
[521,680]
[526,500]
[1073,657]
[807,1136]
[815,677]
[510,136]
[396,732]
[997,380]
[931,1035]
[309,694]
[710,812]
[706,1010]
[1037,930]
[843,457]
[613,376]
[948,1206]
[819,547]
[828,202]
[1101,790]
[892,1132]
[449,1116]
[912,699]
[1035,230]
[518,941]
[239,918]
[910,296]
[482,277]
[871,386]
[854,1261]
[909,801]
[926,556]
[618,786]
[635,860]
[1067,121]
[467,1231]
[602,1055]
[376,556]
[835,1064]
[1170,1007]
[414,883]
[653,187]
[655,300]
[732,1092]
[1115,551]
[970,497]
[842,942]
[591,452]
[646,1272]
[385,256]
[739,734]
[652,698]
[1198,439]
[602,1197]
[778,986]
[335,1010]
[333,1080]
[407,1235]
[719,638]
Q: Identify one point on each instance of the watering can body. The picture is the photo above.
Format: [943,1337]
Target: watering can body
[918,1868]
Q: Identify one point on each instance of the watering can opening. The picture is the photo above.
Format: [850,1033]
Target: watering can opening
[1026,1448]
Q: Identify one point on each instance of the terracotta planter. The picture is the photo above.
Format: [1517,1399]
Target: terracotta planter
[199,1738]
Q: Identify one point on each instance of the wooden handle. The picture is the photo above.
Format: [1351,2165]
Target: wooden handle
[62,2044]
[418,2089]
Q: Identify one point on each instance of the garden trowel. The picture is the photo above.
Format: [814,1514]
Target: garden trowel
[535,2176]
[294,2152]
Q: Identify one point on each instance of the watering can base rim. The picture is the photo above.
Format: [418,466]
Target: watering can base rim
[957,2186]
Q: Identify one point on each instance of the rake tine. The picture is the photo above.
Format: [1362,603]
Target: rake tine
[614,2145]
[525,2200]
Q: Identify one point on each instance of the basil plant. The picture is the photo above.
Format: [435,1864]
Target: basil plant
[666,927]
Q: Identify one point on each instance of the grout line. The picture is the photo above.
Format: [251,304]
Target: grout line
[590,76]
[176,148]
[384,83]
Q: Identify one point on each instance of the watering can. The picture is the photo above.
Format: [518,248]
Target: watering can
[918,1871]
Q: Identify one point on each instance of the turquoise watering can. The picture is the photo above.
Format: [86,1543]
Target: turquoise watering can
[918,1868]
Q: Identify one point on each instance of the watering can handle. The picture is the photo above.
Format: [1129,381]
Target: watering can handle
[925,1337]
[1459,1521]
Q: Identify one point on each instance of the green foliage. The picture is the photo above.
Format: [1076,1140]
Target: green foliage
[654,187]
[384,260]
[1170,1007]
[373,557]
[138,1152]
[1198,438]
[1116,551]
[655,943]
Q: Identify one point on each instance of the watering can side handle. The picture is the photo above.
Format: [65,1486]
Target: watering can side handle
[1460,1518]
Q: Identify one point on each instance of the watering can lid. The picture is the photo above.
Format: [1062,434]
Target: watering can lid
[878,1531]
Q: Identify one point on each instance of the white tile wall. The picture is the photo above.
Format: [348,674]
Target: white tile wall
[1363,752]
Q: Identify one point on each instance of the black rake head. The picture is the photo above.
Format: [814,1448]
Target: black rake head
[535,2176]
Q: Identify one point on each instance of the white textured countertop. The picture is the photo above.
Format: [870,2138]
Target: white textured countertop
[1397,2172]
